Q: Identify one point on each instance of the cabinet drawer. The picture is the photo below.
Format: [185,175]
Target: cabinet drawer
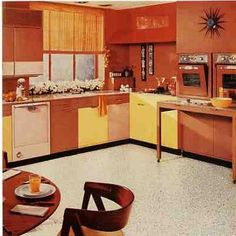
[88,102]
[118,99]
[64,104]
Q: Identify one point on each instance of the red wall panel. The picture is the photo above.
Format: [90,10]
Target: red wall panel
[189,37]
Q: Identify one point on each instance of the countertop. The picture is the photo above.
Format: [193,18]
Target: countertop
[207,108]
[57,96]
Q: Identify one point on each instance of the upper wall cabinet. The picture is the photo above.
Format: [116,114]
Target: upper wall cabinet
[22,42]
[192,18]
[8,50]
[141,25]
[73,31]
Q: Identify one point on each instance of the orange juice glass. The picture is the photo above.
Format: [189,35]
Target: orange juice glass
[34,183]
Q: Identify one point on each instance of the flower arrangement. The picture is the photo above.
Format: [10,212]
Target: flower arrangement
[50,87]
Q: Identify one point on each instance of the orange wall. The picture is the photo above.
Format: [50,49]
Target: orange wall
[165,64]
[189,37]
[121,25]
[124,39]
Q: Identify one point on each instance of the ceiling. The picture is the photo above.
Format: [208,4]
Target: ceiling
[117,5]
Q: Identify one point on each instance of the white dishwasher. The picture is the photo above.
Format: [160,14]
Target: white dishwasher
[31,130]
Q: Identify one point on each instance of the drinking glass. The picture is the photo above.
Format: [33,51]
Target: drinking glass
[34,183]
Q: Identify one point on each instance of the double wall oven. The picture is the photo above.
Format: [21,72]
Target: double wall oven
[225,74]
[194,75]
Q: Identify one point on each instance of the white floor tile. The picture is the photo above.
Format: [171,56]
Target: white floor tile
[178,196]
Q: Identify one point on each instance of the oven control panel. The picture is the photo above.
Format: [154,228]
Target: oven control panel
[227,59]
[193,59]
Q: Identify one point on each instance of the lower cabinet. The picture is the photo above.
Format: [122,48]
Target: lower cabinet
[143,119]
[64,125]
[222,135]
[207,135]
[7,136]
[169,131]
[118,122]
[92,128]
[197,133]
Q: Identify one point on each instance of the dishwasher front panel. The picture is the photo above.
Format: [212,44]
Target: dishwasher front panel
[31,130]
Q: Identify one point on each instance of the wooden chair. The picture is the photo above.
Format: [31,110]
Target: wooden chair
[84,222]
[4,160]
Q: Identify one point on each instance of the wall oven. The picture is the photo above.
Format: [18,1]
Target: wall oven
[225,70]
[193,78]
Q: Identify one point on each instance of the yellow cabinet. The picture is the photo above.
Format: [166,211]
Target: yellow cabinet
[92,129]
[143,119]
[169,134]
[7,136]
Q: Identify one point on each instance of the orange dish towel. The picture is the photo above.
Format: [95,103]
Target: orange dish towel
[102,105]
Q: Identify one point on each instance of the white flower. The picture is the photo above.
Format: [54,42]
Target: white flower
[65,86]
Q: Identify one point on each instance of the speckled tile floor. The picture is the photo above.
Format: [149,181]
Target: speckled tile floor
[178,196]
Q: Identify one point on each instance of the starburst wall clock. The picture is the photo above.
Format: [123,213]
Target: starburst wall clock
[212,22]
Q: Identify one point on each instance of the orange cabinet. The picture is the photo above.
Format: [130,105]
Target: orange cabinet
[118,121]
[197,133]
[206,135]
[8,44]
[64,125]
[118,117]
[223,138]
[28,44]
[8,50]
[22,42]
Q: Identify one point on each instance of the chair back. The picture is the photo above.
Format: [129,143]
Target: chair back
[101,219]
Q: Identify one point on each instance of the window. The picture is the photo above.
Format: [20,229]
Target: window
[69,67]
[85,66]
[62,67]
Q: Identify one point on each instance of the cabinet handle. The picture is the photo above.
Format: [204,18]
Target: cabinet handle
[19,155]
[140,104]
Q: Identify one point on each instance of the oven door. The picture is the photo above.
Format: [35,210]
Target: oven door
[226,78]
[192,80]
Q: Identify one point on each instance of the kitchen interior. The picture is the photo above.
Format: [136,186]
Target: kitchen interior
[140,94]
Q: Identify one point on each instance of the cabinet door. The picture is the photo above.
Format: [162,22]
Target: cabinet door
[64,126]
[169,133]
[93,129]
[197,133]
[118,121]
[223,138]
[8,50]
[143,122]
[7,136]
[28,51]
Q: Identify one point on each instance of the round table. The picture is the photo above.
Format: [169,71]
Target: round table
[19,223]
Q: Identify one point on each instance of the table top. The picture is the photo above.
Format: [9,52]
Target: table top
[177,105]
[18,223]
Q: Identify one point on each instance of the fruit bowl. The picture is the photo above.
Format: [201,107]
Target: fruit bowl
[221,102]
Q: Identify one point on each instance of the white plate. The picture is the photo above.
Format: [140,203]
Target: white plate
[45,191]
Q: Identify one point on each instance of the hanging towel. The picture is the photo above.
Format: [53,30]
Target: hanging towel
[102,105]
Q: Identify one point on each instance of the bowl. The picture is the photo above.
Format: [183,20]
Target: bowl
[221,102]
